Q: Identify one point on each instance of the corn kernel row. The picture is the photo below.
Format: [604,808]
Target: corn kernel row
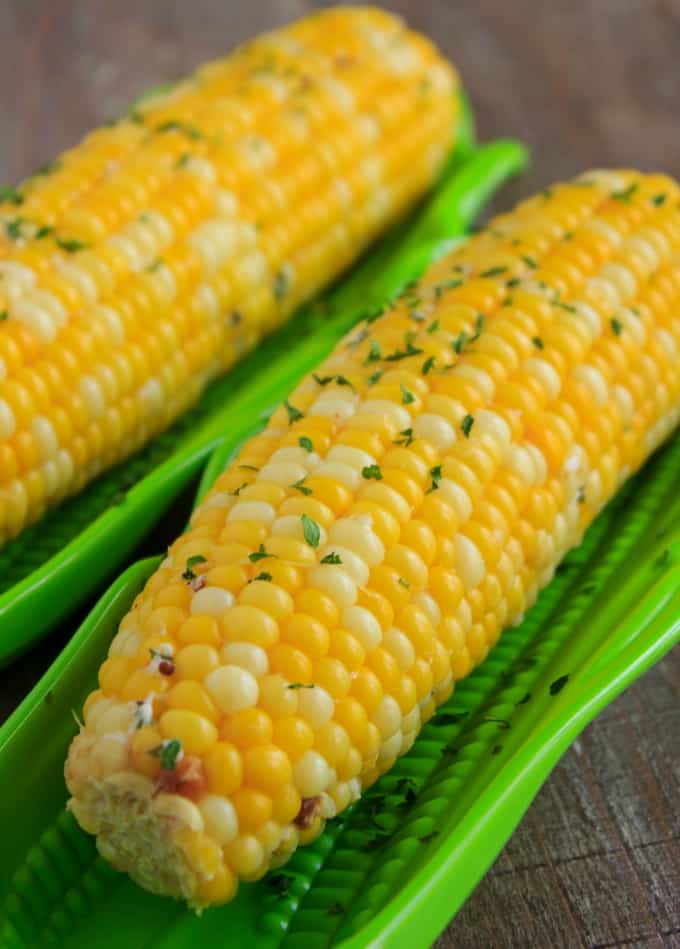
[365,551]
[160,250]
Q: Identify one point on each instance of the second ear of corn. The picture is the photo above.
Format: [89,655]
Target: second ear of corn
[366,550]
[150,257]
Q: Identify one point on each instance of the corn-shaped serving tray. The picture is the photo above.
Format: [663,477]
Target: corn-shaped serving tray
[393,869]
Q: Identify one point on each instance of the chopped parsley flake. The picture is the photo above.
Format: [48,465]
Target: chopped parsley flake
[529,261]
[281,285]
[616,326]
[406,437]
[406,396]
[332,558]
[267,577]
[169,752]
[433,327]
[293,413]
[446,285]
[190,564]
[493,272]
[299,685]
[299,486]
[173,126]
[466,425]
[371,472]
[321,380]
[538,342]
[375,377]
[427,365]
[403,583]
[4,314]
[13,228]
[658,199]
[259,554]
[311,531]
[459,342]
[626,194]
[373,353]
[398,354]
[9,195]
[70,246]
[306,443]
[436,475]
[479,327]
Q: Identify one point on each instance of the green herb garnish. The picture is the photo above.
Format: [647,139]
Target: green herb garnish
[192,562]
[406,396]
[371,472]
[331,558]
[493,272]
[259,554]
[293,413]
[406,437]
[311,531]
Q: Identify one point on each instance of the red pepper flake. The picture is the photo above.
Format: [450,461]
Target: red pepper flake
[309,808]
[186,778]
[166,667]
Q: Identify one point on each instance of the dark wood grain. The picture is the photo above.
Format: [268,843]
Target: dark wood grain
[596,860]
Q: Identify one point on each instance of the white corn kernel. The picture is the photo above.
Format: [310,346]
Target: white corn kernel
[219,818]
[311,774]
[252,511]
[315,705]
[470,564]
[346,475]
[211,601]
[248,656]
[363,625]
[387,717]
[178,809]
[401,647]
[435,429]
[335,582]
[354,565]
[356,534]
[232,688]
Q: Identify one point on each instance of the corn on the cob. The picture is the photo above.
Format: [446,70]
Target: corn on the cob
[163,247]
[365,551]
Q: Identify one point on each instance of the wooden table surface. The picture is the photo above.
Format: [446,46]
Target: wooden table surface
[596,860]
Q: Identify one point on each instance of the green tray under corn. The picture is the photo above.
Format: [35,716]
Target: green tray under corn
[392,870]
[57,563]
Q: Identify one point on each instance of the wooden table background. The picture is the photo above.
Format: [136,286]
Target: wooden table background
[596,860]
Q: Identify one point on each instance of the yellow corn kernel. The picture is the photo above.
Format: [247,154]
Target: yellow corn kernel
[195,732]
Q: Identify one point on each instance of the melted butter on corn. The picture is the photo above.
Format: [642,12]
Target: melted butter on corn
[365,551]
